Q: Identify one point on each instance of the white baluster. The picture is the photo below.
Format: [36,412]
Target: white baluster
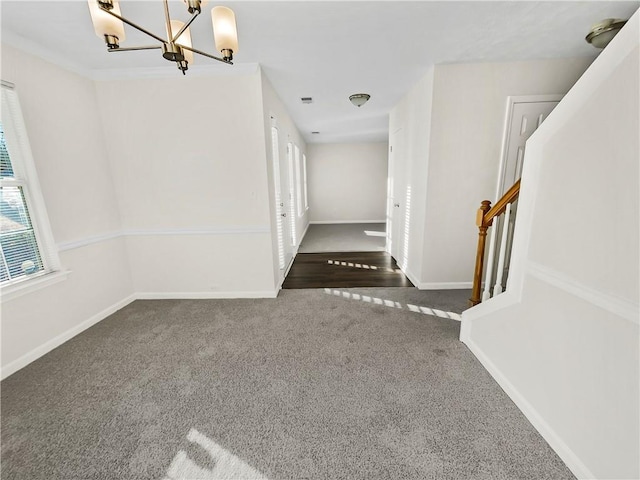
[497,289]
[486,294]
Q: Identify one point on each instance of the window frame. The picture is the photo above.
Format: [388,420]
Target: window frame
[25,176]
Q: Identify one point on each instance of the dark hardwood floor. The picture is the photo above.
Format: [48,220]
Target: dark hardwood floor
[344,270]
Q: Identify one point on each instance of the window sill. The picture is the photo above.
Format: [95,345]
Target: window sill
[29,285]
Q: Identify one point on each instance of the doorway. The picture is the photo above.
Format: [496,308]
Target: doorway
[523,117]
[282,182]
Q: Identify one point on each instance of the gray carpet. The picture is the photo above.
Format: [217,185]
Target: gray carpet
[345,237]
[455,301]
[305,386]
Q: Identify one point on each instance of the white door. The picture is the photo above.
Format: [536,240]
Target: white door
[291,198]
[285,251]
[524,116]
[395,196]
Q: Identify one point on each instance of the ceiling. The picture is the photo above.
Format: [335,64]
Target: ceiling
[323,49]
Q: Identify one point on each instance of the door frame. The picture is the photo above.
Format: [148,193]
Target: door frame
[512,100]
[283,207]
[393,226]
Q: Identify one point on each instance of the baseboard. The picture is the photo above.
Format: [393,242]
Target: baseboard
[304,233]
[46,347]
[410,276]
[573,462]
[337,222]
[434,285]
[443,285]
[204,295]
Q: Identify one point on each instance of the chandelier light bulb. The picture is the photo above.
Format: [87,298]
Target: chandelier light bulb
[106,25]
[225,32]
[109,23]
[183,40]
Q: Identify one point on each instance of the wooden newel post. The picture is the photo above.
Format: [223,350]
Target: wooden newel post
[485,206]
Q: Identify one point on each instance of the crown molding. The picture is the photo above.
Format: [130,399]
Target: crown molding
[165,70]
[170,71]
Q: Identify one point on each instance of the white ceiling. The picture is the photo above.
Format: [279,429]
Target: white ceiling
[323,49]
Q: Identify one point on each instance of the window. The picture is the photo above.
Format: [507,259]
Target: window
[23,252]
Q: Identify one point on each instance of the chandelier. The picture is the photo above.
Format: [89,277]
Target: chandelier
[109,25]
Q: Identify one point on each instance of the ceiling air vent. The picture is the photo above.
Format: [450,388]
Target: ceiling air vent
[306,100]
[315,133]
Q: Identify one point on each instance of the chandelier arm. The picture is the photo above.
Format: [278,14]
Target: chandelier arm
[194,50]
[129,49]
[185,26]
[167,19]
[137,27]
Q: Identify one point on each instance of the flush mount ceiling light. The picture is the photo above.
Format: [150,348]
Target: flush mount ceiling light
[109,25]
[602,33]
[359,99]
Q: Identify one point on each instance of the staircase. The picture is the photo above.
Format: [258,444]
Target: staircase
[502,218]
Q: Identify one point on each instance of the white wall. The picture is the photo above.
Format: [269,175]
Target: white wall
[563,340]
[347,182]
[146,199]
[453,121]
[275,113]
[191,183]
[60,112]
[410,134]
[468,121]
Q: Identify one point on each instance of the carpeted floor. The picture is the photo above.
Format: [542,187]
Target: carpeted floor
[344,237]
[310,385]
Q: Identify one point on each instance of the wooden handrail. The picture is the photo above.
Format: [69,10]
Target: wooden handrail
[501,205]
[484,218]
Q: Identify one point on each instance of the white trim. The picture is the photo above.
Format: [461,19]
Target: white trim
[568,456]
[409,274]
[616,305]
[435,285]
[49,345]
[287,269]
[46,347]
[31,284]
[204,295]
[445,285]
[339,222]
[248,230]
[83,242]
[165,71]
[23,163]
[511,102]
[305,232]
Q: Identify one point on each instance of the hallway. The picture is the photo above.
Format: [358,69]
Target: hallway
[344,237]
[345,270]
